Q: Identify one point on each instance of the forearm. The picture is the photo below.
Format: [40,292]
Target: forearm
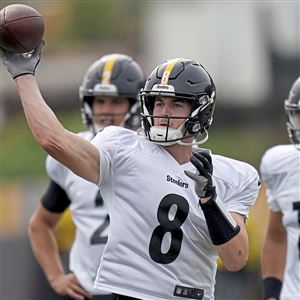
[274,248]
[228,233]
[273,264]
[234,253]
[45,248]
[273,258]
[77,154]
[43,123]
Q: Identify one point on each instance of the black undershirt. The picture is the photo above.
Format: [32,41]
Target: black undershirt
[55,198]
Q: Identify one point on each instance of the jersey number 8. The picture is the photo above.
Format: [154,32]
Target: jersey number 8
[167,225]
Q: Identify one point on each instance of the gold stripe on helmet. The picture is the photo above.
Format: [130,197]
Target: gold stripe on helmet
[108,67]
[168,70]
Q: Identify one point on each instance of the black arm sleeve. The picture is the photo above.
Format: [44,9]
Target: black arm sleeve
[55,199]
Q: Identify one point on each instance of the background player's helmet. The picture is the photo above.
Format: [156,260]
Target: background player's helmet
[112,75]
[179,78]
[292,109]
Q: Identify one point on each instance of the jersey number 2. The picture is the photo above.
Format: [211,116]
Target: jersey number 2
[168,225]
[97,237]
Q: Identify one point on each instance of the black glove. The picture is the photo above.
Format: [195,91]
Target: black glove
[204,186]
[18,64]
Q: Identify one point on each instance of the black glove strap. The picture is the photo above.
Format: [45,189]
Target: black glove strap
[272,287]
[221,225]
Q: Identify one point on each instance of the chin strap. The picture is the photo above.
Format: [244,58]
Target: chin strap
[202,141]
[140,131]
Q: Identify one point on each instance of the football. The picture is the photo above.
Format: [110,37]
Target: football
[21,28]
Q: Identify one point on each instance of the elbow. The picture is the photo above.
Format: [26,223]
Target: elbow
[33,228]
[237,263]
[50,144]
[235,267]
[46,142]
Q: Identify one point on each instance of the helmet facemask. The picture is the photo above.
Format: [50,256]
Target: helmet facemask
[197,122]
[293,122]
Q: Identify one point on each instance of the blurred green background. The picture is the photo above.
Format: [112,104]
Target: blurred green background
[21,155]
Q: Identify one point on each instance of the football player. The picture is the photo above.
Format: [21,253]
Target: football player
[280,170]
[108,96]
[173,208]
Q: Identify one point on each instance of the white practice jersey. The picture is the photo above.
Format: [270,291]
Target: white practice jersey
[280,169]
[90,218]
[159,246]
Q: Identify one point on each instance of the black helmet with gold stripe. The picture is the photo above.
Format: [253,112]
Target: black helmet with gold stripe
[185,79]
[112,75]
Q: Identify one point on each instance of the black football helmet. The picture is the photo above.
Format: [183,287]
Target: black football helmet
[292,109]
[179,78]
[112,75]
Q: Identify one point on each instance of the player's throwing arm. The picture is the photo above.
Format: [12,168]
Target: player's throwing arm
[77,154]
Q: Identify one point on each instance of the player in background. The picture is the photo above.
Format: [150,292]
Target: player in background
[280,170]
[173,208]
[108,96]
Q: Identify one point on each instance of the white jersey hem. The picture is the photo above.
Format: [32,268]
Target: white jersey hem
[117,290]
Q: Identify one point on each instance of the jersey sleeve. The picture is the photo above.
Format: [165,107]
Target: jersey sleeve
[237,183]
[272,181]
[56,171]
[107,143]
[246,194]
[55,199]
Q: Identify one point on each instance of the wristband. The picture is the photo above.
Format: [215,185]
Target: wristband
[272,287]
[221,225]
